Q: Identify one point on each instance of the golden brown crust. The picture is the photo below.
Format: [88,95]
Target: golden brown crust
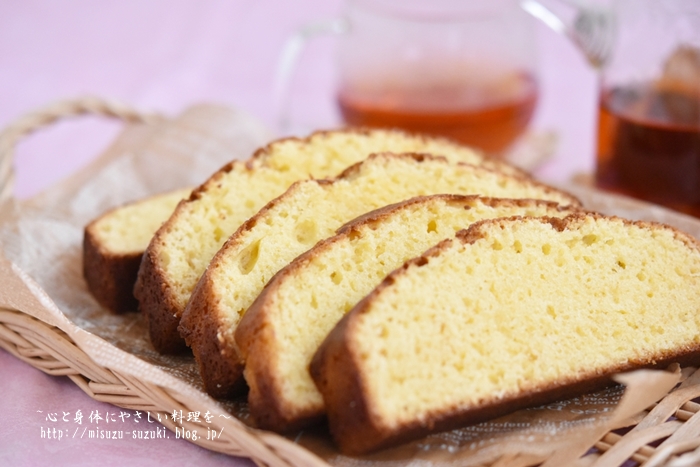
[355,168]
[254,337]
[158,306]
[220,369]
[110,269]
[333,371]
[352,170]
[110,277]
[200,326]
[153,288]
[489,162]
[378,215]
[475,231]
[219,361]
[264,383]
[190,319]
[253,340]
[335,367]
[201,307]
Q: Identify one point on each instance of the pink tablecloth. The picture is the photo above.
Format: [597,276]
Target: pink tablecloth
[164,56]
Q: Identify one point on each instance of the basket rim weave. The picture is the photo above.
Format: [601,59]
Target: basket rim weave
[52,351]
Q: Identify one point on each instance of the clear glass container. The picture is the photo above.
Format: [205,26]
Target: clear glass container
[465,69]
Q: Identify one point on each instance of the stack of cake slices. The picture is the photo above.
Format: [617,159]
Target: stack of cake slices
[394,285]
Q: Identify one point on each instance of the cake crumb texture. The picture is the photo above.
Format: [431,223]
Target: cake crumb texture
[182,248]
[509,313]
[113,245]
[308,212]
[281,331]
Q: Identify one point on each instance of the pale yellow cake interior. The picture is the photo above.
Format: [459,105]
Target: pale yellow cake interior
[522,308]
[203,226]
[129,228]
[311,211]
[308,303]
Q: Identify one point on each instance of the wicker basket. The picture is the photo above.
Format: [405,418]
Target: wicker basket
[51,350]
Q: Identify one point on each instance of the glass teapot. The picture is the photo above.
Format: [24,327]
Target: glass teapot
[464,69]
[648,55]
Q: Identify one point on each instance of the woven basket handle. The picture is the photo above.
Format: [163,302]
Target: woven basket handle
[27,124]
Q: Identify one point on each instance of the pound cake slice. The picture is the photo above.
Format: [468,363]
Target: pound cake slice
[181,250]
[113,245]
[308,212]
[511,313]
[280,332]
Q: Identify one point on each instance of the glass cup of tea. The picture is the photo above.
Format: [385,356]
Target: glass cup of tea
[649,120]
[463,69]
[648,55]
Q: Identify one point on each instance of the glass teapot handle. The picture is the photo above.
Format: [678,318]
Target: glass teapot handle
[591,27]
[288,61]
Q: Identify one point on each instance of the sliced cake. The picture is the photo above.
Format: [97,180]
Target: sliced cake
[113,245]
[280,332]
[308,212]
[181,250]
[511,313]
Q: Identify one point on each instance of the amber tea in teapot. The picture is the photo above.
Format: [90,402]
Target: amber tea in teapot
[464,69]
[490,117]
